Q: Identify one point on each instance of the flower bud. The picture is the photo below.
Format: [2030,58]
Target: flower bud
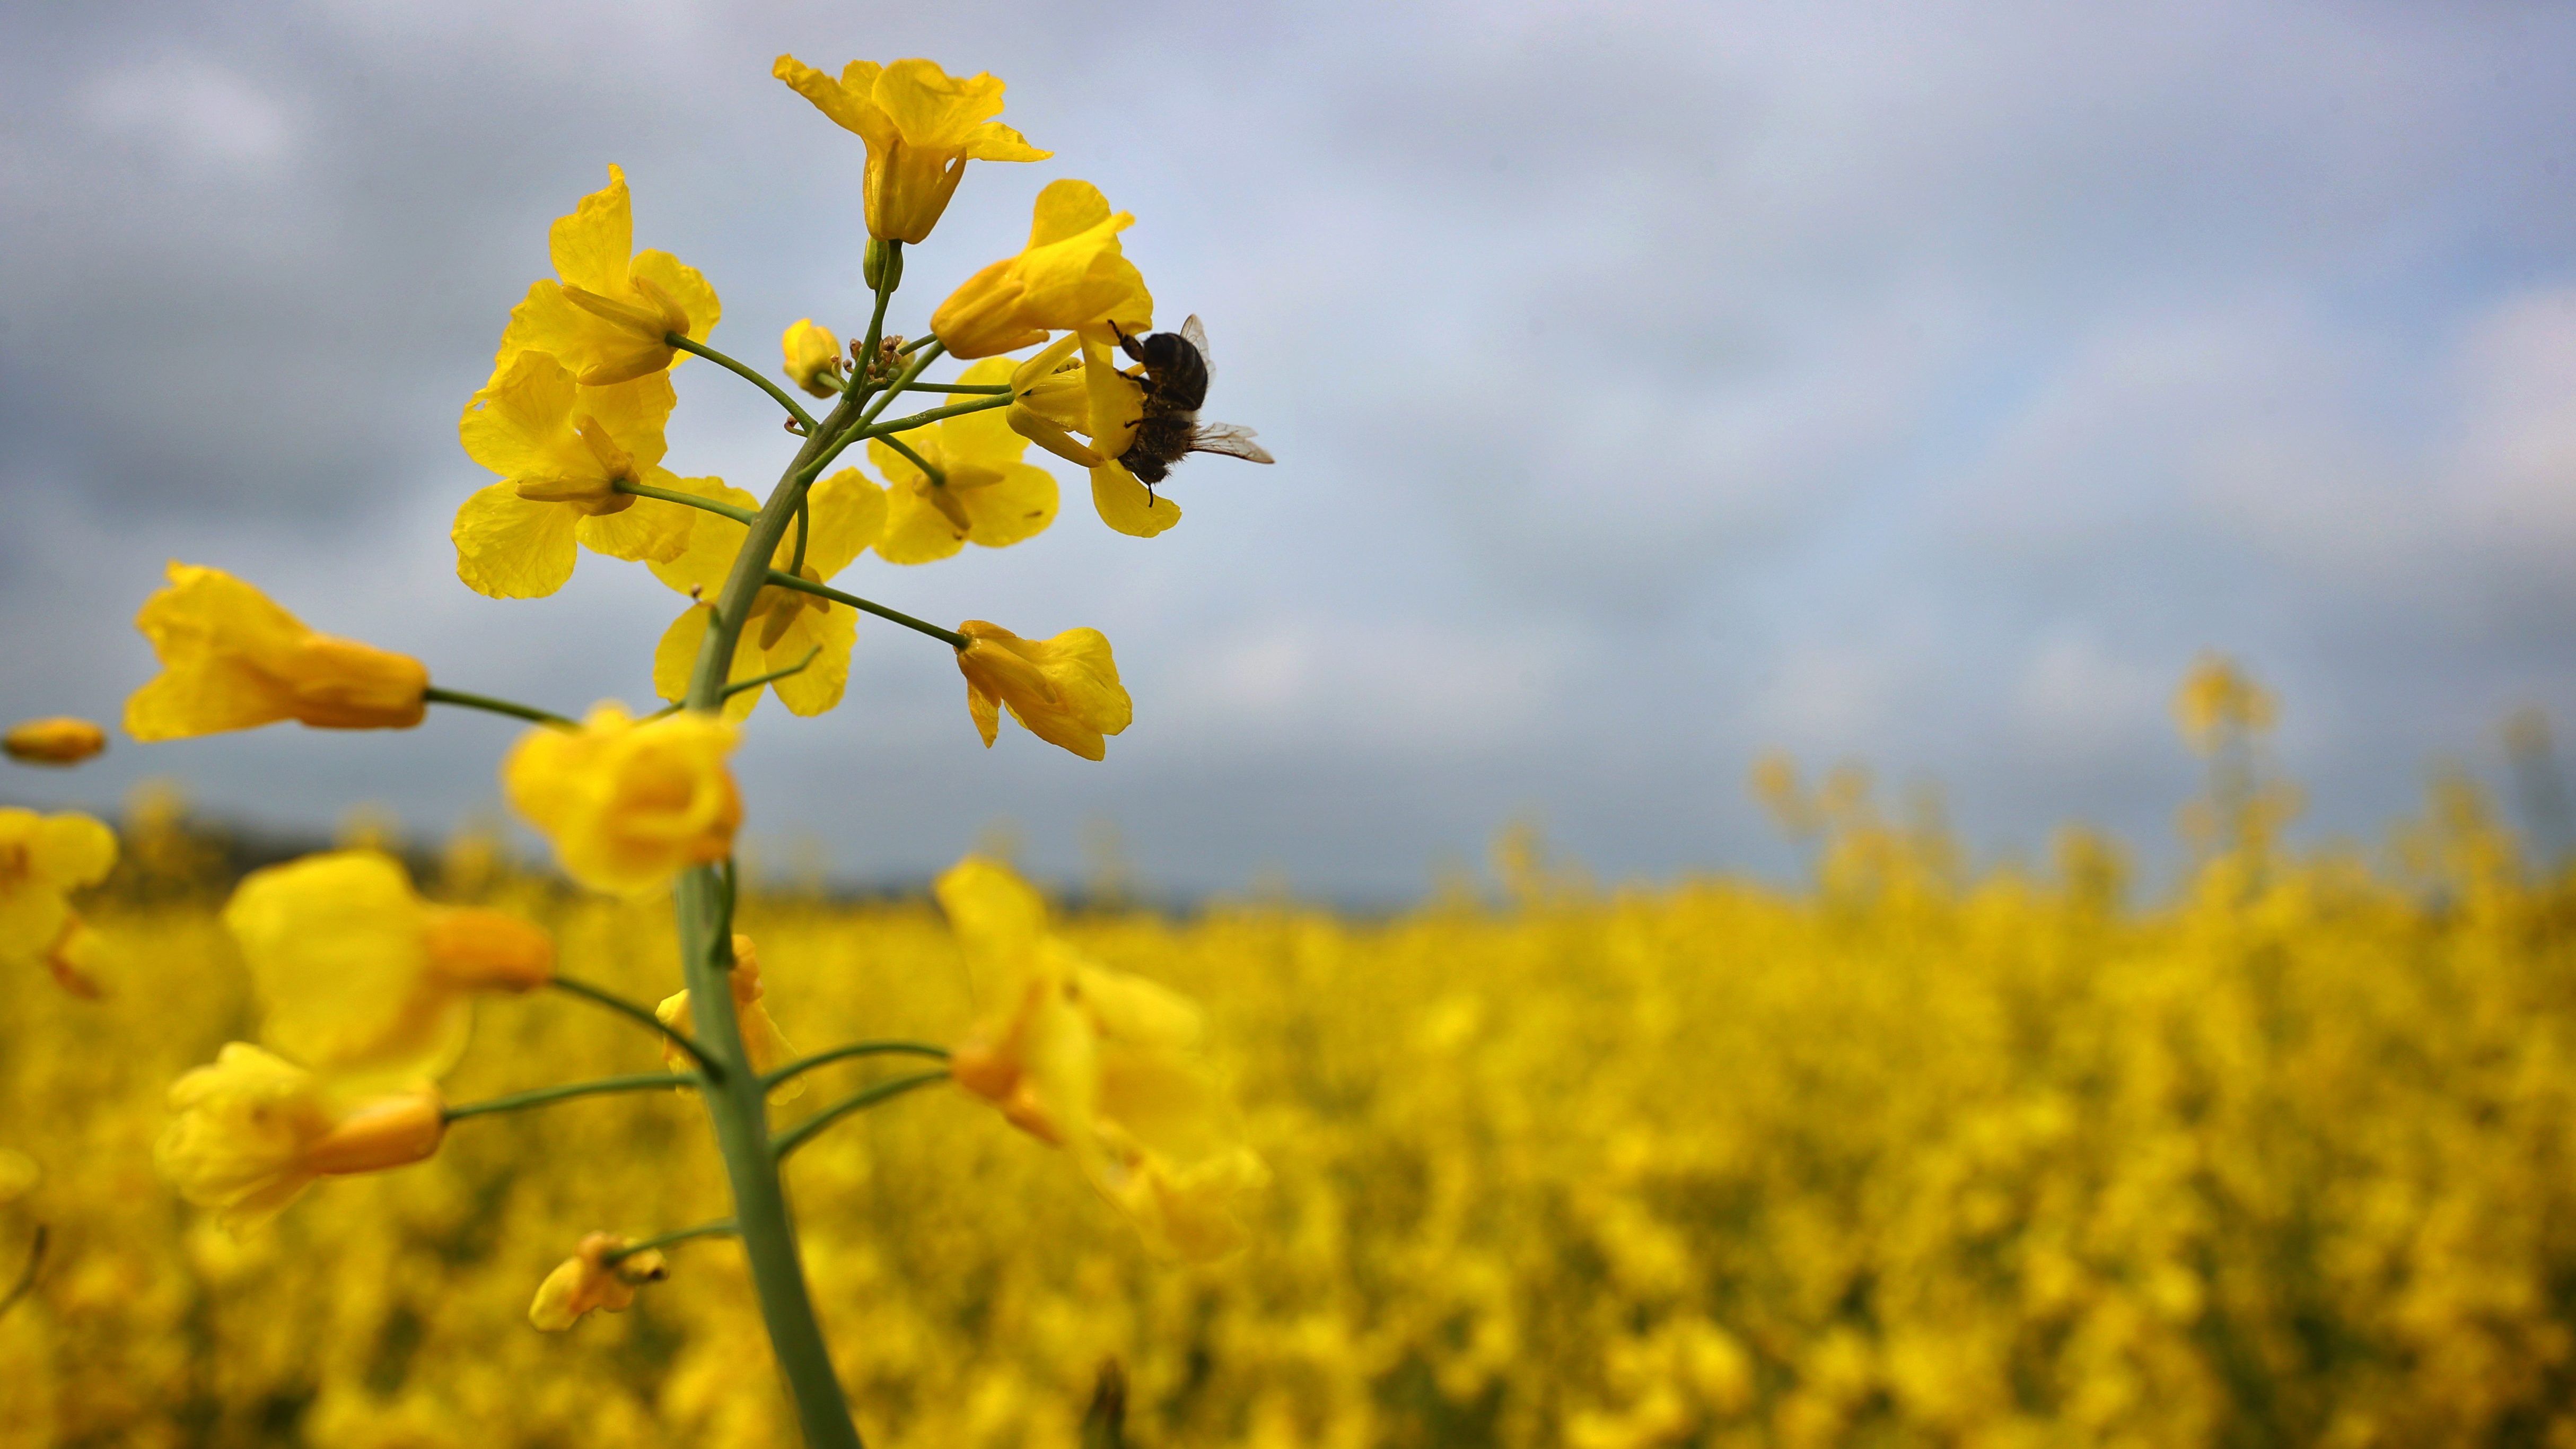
[59,740]
[882,268]
[394,1131]
[813,357]
[590,1279]
[477,950]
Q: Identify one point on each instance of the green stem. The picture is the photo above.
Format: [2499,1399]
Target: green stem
[687,500]
[737,1105]
[663,1240]
[786,580]
[937,475]
[918,343]
[803,1132]
[624,1007]
[854,1049]
[521,1101]
[904,379]
[891,272]
[773,676]
[688,344]
[975,387]
[924,419]
[804,527]
[512,708]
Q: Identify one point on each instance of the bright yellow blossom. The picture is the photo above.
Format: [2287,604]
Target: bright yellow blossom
[360,978]
[761,1037]
[43,858]
[607,317]
[985,494]
[58,740]
[587,1281]
[1099,1062]
[1064,690]
[561,450]
[254,1130]
[1071,277]
[1055,395]
[233,660]
[629,803]
[922,126]
[813,354]
[847,514]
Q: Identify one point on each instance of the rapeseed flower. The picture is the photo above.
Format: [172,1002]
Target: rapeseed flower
[588,1280]
[562,450]
[1098,1062]
[813,356]
[2218,701]
[43,858]
[984,493]
[922,126]
[254,1130]
[847,513]
[58,740]
[768,1046]
[1071,276]
[1064,690]
[608,315]
[629,803]
[360,978]
[231,659]
[1056,394]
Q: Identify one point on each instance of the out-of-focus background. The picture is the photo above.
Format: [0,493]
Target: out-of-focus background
[1651,385]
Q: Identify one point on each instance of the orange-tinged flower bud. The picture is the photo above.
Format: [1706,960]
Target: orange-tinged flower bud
[590,1279]
[478,950]
[254,1130]
[1071,276]
[813,357]
[231,659]
[394,1131]
[43,858]
[58,740]
[629,804]
[761,1037]
[922,126]
[1064,690]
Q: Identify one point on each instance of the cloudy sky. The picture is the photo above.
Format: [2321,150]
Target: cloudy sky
[1652,385]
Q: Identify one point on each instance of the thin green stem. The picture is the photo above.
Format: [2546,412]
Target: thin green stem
[687,500]
[688,344]
[950,638]
[773,676]
[920,342]
[890,272]
[803,1065]
[911,421]
[804,528]
[937,475]
[998,387]
[803,1132]
[717,1228]
[624,1007]
[541,1096]
[512,708]
[904,379]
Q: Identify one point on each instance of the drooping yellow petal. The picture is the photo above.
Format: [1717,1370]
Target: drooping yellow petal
[232,659]
[828,634]
[591,246]
[651,531]
[1064,690]
[509,547]
[675,659]
[1127,506]
[848,512]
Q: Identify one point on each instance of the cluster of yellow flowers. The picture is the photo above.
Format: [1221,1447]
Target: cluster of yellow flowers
[1913,1155]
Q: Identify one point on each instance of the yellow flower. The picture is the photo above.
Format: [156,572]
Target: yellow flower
[587,1281]
[813,357]
[44,858]
[1055,395]
[77,958]
[254,1130]
[847,513]
[1064,690]
[2218,701]
[985,494]
[922,126]
[1071,276]
[1099,1062]
[629,803]
[233,660]
[607,317]
[561,450]
[360,978]
[59,740]
[761,1037]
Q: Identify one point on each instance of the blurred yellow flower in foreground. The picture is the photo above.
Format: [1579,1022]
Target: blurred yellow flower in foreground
[812,351]
[607,317]
[628,803]
[761,1037]
[44,858]
[254,1130]
[1064,690]
[231,659]
[58,740]
[846,513]
[1100,1063]
[587,1281]
[561,450]
[922,126]
[984,495]
[360,978]
[1071,276]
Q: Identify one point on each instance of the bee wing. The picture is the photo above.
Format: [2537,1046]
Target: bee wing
[1196,336]
[1231,440]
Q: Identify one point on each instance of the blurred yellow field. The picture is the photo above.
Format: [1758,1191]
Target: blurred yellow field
[1902,1158]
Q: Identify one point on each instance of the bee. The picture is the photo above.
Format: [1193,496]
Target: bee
[1175,373]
